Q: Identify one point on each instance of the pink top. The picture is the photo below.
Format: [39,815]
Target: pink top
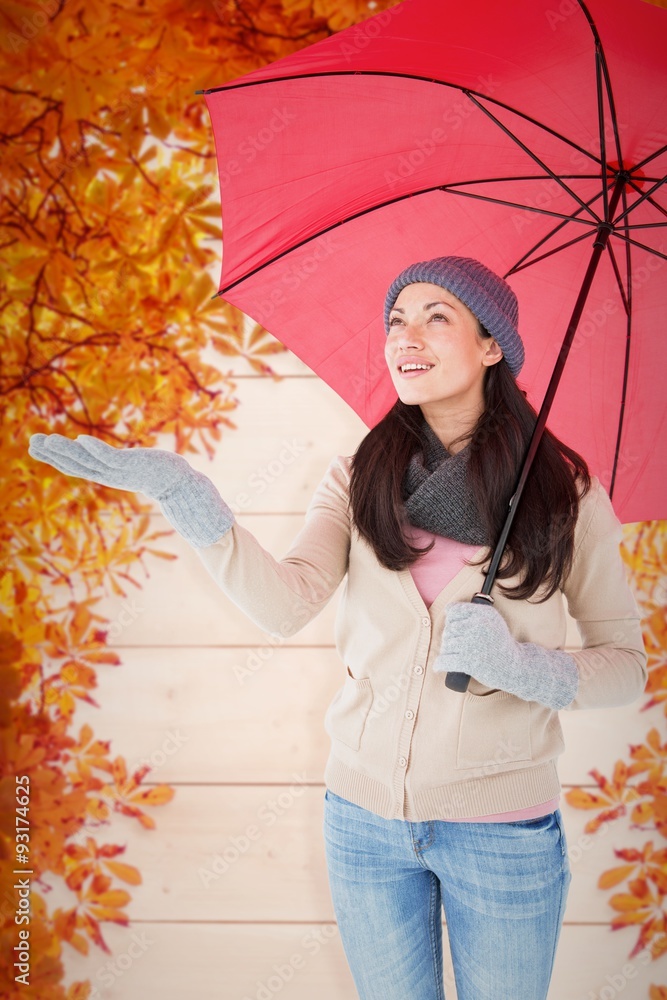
[431,573]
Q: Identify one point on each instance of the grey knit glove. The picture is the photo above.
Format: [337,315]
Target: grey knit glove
[188,499]
[477,641]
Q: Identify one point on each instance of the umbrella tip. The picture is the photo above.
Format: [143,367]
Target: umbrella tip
[200,91]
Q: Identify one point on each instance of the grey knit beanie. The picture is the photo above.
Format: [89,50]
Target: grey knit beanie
[485,293]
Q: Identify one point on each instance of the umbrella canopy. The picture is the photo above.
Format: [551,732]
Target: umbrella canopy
[518,134]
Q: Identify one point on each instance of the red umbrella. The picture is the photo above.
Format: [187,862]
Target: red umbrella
[530,136]
[533,142]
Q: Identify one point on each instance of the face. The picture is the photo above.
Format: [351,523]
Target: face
[437,337]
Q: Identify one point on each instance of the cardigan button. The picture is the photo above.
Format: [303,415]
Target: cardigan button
[402,761]
[419,669]
[426,621]
[409,714]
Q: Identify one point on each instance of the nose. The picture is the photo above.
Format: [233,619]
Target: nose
[409,338]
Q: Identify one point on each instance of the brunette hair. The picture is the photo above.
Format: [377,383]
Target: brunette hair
[540,544]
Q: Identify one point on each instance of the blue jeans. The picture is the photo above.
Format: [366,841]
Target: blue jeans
[503,887]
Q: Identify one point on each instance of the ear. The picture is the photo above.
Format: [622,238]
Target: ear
[492,352]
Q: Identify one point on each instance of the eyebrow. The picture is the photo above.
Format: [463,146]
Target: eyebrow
[429,305]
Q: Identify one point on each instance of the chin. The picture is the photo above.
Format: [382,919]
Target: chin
[414,397]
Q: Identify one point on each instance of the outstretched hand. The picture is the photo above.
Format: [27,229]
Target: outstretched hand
[188,499]
[152,471]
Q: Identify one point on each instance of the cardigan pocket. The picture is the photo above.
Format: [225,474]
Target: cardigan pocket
[494,730]
[346,716]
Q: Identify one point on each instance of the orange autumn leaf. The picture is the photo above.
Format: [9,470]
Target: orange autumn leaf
[79,942]
[156,796]
[128,873]
[78,876]
[91,928]
[103,657]
[114,899]
[646,863]
[651,755]
[614,875]
[582,799]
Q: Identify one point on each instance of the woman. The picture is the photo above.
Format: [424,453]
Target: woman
[432,796]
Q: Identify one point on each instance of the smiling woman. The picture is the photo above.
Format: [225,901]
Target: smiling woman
[434,798]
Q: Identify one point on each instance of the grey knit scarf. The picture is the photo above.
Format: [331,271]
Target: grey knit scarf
[436,493]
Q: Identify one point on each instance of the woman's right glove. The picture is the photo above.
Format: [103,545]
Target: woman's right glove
[188,498]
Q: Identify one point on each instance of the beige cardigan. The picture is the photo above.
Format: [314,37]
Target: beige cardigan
[402,743]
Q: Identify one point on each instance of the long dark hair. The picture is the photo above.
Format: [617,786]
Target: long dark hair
[540,545]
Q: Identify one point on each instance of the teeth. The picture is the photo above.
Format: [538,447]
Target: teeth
[415,367]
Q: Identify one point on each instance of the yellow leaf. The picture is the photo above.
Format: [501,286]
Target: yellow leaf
[614,875]
[624,902]
[109,914]
[79,942]
[101,657]
[115,898]
[128,873]
[156,796]
[581,799]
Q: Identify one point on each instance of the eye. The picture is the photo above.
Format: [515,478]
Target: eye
[438,316]
[394,320]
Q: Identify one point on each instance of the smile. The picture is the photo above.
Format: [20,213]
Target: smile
[414,368]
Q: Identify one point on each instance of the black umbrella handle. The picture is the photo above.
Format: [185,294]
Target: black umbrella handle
[459,681]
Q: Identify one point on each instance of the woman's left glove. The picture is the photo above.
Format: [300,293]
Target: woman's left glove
[477,641]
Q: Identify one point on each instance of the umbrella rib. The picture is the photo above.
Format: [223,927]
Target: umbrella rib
[625,299]
[408,76]
[515,139]
[660,208]
[454,189]
[654,204]
[520,266]
[651,156]
[642,246]
[653,180]
[603,140]
[634,205]
[385,204]
[602,70]
[525,177]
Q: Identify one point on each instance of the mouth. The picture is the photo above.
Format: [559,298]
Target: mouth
[413,369]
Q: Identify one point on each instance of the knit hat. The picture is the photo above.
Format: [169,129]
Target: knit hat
[485,293]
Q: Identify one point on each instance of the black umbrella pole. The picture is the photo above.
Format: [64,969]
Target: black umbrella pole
[459,681]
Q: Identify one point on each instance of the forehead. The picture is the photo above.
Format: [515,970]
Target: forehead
[421,293]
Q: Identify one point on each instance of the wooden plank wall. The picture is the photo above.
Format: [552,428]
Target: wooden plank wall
[233,719]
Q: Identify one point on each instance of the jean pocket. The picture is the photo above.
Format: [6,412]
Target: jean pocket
[330,796]
[534,821]
[345,718]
